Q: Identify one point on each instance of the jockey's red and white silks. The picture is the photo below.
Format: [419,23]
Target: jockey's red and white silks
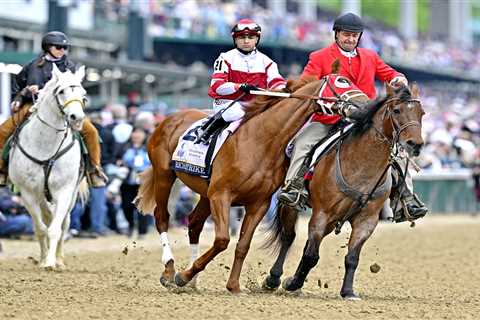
[234,67]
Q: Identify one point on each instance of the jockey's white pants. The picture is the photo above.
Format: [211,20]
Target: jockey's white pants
[233,113]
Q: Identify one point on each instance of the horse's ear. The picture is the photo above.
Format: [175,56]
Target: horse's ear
[415,90]
[55,72]
[80,73]
[390,89]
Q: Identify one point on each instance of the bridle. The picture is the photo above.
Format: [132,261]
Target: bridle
[397,129]
[61,107]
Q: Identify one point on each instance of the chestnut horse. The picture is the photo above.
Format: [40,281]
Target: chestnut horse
[247,170]
[362,159]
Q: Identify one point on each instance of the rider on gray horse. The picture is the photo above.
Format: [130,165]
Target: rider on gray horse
[28,82]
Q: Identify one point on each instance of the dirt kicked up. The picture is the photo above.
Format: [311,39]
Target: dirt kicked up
[428,272]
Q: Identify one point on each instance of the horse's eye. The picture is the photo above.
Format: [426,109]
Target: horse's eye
[396,111]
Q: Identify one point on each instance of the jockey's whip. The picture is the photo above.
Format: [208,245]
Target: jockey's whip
[291,95]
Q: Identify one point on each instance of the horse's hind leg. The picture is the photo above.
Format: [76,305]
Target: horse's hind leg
[362,229]
[164,180]
[253,215]
[318,228]
[287,219]
[196,220]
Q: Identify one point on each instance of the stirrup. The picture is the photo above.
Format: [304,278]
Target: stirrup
[97,178]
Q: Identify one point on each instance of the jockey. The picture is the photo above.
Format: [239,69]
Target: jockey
[361,66]
[235,73]
[26,86]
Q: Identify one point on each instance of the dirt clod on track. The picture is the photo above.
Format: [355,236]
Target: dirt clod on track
[429,272]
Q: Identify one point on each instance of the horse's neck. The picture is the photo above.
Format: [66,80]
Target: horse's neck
[279,124]
[371,148]
[40,139]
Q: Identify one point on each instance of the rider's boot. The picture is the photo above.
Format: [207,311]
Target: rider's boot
[411,209]
[294,194]
[6,130]
[95,176]
[218,123]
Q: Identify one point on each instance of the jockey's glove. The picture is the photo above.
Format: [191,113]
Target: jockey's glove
[247,87]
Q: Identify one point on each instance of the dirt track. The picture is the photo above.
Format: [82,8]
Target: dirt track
[429,272]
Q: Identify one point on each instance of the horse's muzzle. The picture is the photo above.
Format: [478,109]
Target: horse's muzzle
[76,124]
[413,148]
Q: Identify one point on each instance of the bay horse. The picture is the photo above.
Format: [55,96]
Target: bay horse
[248,169]
[45,161]
[361,161]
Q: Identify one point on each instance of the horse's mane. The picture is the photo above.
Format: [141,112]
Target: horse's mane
[262,103]
[362,125]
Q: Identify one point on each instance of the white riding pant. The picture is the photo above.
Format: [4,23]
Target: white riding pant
[233,113]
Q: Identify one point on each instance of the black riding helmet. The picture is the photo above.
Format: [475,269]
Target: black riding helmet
[348,22]
[55,38]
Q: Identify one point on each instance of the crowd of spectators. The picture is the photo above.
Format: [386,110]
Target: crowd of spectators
[213,20]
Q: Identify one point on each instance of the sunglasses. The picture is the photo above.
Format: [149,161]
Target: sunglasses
[61,47]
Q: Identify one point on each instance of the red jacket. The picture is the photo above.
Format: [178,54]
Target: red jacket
[361,69]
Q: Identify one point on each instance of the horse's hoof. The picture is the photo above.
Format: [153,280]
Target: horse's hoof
[351,297]
[271,283]
[179,281]
[49,268]
[167,283]
[289,284]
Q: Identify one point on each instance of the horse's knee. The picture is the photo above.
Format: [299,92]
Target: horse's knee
[221,243]
[310,260]
[351,260]
[288,237]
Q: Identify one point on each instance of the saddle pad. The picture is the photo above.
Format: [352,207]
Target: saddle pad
[197,159]
[323,147]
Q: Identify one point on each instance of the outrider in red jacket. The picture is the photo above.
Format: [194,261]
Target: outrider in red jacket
[362,69]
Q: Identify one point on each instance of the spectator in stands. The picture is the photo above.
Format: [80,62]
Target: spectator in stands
[135,158]
[14,218]
[26,86]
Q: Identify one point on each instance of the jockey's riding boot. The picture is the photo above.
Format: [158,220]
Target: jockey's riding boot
[218,123]
[95,176]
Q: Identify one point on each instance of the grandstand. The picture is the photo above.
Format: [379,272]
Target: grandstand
[165,50]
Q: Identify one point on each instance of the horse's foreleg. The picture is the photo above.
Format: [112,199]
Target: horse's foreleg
[39,226]
[220,206]
[60,263]
[318,228]
[196,221]
[253,216]
[288,220]
[362,229]
[163,183]
[54,232]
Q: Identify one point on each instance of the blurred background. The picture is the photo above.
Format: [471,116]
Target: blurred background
[148,58]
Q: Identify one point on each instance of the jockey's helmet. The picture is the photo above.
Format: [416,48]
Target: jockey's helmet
[54,38]
[248,27]
[348,22]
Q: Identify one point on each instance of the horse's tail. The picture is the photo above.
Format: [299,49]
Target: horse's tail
[83,191]
[282,228]
[145,199]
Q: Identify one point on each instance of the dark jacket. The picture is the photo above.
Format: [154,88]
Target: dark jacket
[37,71]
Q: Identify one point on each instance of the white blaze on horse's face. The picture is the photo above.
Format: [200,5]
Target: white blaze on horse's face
[70,96]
